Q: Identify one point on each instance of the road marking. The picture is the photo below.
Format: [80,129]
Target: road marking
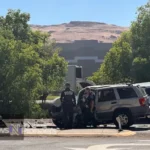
[107,146]
[76,148]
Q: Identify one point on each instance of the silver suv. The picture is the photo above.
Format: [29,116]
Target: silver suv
[146,87]
[129,102]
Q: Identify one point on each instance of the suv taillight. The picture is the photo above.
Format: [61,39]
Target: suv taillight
[142,101]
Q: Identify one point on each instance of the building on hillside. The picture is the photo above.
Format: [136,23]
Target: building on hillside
[86,53]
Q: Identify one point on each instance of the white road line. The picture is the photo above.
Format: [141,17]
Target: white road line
[75,148]
[106,146]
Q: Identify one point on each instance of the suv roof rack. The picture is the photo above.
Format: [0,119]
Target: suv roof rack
[129,84]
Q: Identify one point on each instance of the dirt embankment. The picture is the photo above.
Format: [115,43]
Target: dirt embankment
[82,30]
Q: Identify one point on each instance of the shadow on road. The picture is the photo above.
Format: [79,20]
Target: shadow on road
[131,128]
[138,129]
[140,125]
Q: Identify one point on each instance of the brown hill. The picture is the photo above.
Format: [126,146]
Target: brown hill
[82,30]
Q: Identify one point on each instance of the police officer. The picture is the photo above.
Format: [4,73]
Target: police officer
[68,103]
[88,108]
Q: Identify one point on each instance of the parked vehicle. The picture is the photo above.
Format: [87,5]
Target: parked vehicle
[146,87]
[129,102]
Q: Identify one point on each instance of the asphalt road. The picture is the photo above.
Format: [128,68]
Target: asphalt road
[107,143]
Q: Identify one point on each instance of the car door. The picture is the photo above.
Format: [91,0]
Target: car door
[106,102]
[80,95]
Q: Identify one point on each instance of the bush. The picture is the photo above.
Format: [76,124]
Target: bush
[37,112]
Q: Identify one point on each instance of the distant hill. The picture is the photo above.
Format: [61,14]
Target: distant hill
[82,30]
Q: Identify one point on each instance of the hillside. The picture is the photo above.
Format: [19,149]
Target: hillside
[82,30]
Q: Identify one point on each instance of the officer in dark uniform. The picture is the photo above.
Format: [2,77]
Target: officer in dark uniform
[68,103]
[88,106]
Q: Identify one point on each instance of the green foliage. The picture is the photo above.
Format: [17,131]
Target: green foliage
[54,69]
[117,63]
[16,22]
[29,64]
[37,112]
[140,44]
[129,58]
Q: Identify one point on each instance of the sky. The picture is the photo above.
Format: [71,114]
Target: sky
[48,12]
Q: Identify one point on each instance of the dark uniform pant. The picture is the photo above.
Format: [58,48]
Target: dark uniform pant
[87,116]
[67,115]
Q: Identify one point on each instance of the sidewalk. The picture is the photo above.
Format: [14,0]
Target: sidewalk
[76,133]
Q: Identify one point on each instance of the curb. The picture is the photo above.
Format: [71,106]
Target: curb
[125,133]
[61,134]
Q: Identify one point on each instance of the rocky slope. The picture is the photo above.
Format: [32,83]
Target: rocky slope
[82,30]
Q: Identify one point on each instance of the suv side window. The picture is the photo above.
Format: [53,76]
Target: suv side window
[125,93]
[106,95]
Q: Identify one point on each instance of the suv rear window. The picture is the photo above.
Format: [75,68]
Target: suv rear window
[125,93]
[147,91]
[142,90]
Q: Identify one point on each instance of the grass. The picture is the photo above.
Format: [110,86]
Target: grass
[51,97]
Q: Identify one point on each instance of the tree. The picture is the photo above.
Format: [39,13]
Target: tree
[129,58]
[117,63]
[20,74]
[29,64]
[16,22]
[141,45]
[54,70]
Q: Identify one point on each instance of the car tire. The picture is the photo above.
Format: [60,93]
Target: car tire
[126,120]
[58,123]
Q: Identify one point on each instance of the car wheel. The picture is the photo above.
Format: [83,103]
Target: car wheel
[125,118]
[58,123]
